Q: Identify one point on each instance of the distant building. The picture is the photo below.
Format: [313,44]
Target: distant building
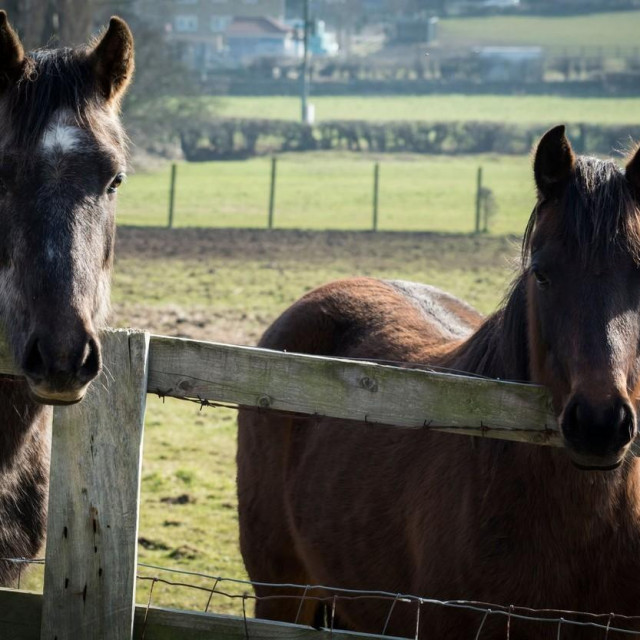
[322,42]
[249,38]
[200,26]
[416,30]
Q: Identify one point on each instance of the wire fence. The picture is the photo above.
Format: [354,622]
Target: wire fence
[332,597]
[386,602]
[345,194]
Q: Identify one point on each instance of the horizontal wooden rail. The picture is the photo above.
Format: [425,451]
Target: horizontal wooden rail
[348,389]
[353,390]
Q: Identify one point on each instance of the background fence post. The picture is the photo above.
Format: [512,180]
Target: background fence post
[376,186]
[92,528]
[272,191]
[582,140]
[479,200]
[172,193]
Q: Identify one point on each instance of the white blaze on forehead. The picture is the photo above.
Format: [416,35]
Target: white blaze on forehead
[62,134]
[61,137]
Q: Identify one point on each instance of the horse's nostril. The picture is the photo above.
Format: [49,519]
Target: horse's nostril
[627,422]
[571,419]
[34,364]
[91,362]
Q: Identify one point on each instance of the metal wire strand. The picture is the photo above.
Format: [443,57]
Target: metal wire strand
[146,611]
[484,618]
[213,590]
[386,622]
[244,616]
[304,595]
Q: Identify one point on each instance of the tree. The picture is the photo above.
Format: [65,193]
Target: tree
[39,22]
[74,20]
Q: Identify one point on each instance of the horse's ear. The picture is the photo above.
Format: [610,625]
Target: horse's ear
[554,162]
[632,171]
[112,59]
[11,52]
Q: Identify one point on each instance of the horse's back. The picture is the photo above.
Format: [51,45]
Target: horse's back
[377,319]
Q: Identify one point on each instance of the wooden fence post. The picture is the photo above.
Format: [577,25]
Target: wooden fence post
[272,192]
[91,556]
[172,194]
[376,188]
[478,200]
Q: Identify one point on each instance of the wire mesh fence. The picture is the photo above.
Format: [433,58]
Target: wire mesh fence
[416,610]
[333,597]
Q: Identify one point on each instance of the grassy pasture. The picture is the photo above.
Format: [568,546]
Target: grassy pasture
[335,191]
[511,109]
[607,30]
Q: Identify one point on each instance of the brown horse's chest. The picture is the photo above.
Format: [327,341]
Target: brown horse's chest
[473,528]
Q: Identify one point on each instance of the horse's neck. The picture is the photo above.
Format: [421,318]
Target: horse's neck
[24,472]
[22,423]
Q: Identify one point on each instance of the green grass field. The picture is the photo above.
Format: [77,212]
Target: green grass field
[335,191]
[610,30]
[494,108]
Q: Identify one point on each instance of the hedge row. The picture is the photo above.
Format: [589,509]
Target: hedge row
[237,138]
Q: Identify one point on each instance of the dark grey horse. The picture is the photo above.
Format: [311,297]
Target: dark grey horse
[62,158]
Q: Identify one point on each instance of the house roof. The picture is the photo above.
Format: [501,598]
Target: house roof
[255,27]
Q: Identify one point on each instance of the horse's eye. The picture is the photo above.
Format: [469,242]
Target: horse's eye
[541,279]
[115,183]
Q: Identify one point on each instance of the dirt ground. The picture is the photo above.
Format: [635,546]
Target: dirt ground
[227,285]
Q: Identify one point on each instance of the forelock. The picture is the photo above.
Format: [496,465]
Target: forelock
[598,214]
[53,81]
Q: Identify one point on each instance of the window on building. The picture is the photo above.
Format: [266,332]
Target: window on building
[220,23]
[186,24]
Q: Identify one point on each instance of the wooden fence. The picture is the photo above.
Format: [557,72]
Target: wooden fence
[91,551]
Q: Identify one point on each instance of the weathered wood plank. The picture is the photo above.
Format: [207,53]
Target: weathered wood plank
[20,614]
[347,389]
[94,496]
[168,624]
[351,389]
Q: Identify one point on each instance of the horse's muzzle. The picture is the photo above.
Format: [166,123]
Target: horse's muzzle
[598,435]
[60,371]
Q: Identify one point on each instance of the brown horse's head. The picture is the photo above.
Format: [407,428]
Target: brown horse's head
[62,157]
[583,291]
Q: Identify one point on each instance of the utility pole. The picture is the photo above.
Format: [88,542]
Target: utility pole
[305,66]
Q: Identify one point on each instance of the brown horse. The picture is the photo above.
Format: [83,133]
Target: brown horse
[445,517]
[62,158]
